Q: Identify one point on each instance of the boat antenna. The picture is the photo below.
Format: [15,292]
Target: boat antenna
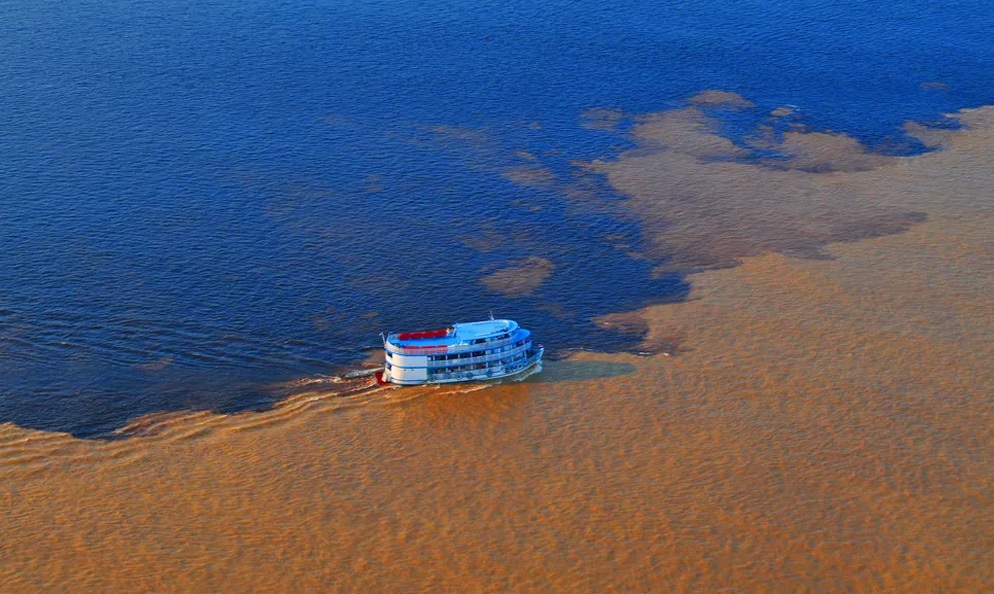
[491,315]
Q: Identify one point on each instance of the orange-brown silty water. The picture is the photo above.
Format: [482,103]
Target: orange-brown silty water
[816,423]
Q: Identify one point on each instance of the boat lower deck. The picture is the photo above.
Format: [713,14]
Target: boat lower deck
[510,369]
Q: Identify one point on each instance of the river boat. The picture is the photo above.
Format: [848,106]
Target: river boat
[462,352]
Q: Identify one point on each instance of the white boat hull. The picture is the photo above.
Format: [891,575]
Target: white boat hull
[533,364]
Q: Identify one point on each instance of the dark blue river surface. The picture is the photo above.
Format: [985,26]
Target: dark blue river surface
[200,200]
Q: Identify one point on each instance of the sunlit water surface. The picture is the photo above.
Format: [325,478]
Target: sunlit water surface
[207,209]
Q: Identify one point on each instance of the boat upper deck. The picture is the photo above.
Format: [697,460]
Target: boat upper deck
[462,333]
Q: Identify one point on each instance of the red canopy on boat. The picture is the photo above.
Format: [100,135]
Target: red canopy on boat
[423,334]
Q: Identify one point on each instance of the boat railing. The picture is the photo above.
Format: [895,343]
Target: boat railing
[508,368]
[488,358]
[448,349]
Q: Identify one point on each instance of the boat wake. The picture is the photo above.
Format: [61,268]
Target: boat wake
[308,395]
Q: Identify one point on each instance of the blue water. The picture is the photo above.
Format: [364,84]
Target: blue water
[202,200]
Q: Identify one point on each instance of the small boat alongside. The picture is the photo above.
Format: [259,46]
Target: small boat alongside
[466,351]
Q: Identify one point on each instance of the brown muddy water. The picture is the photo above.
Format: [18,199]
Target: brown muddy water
[820,418]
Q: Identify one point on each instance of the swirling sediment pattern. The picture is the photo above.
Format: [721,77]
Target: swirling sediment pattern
[780,316]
